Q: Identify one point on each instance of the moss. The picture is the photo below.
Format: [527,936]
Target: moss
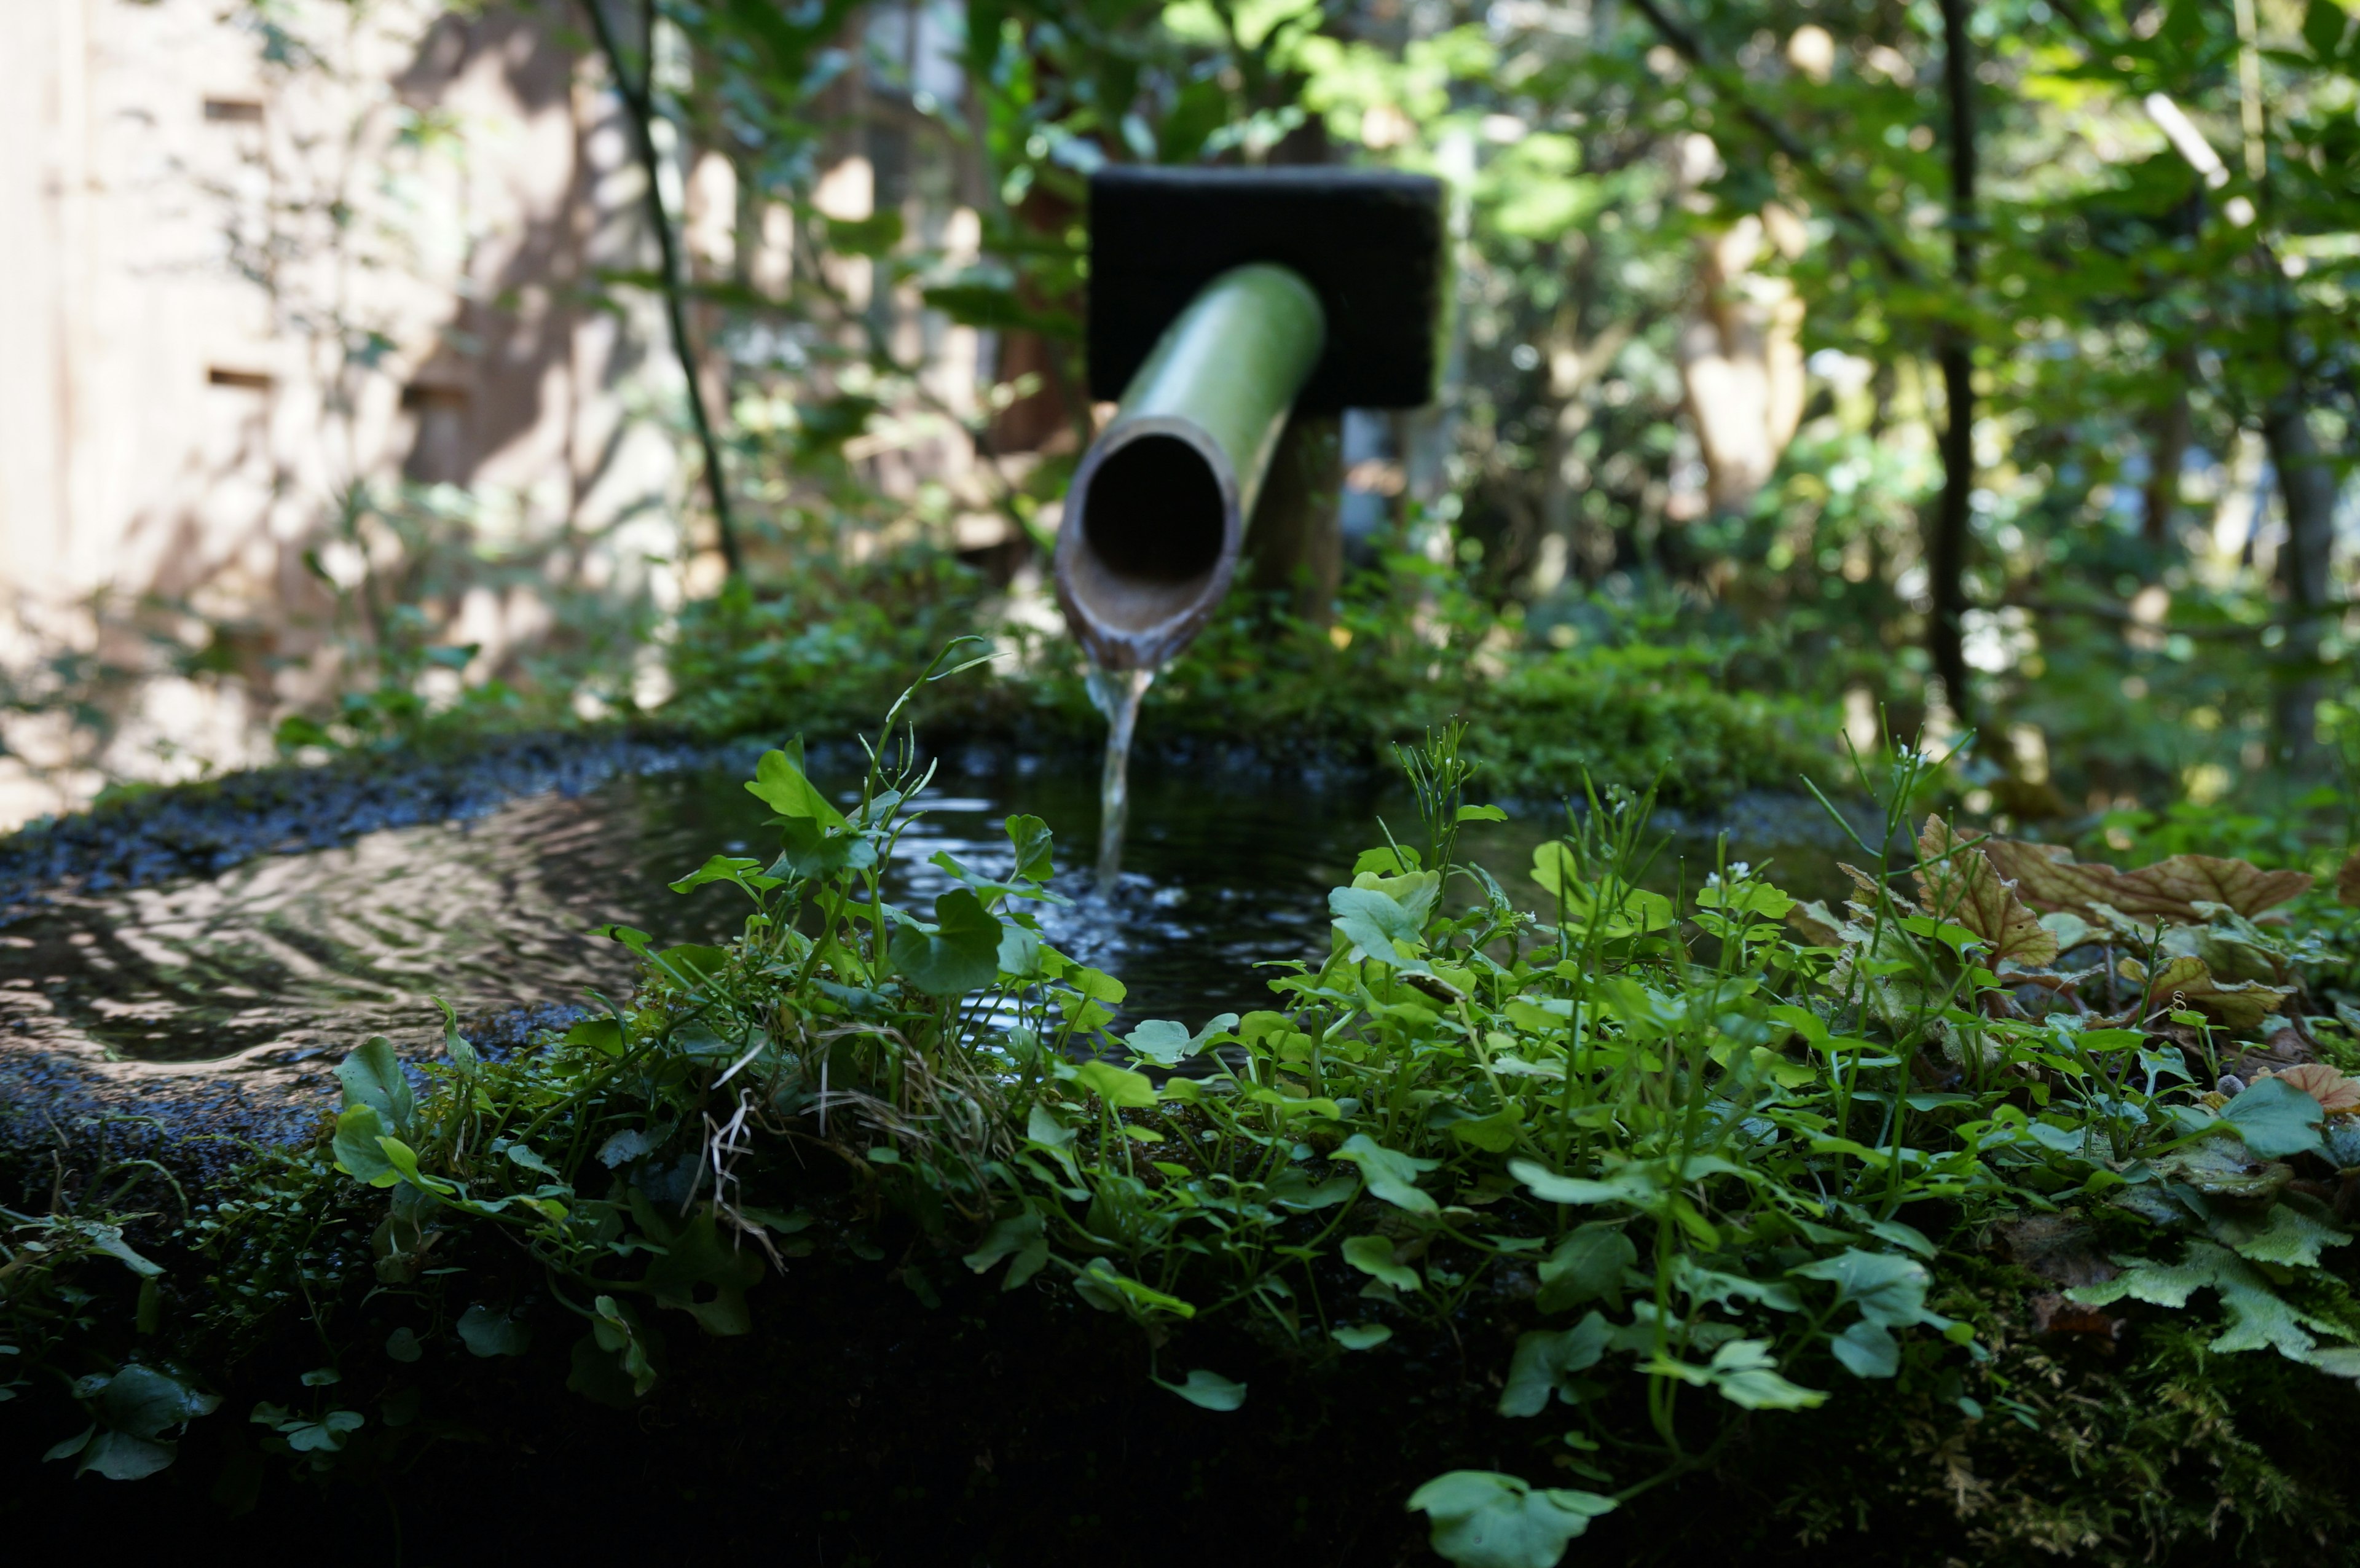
[1617,710]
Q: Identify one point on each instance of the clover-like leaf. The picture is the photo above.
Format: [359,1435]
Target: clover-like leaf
[703,1277]
[1374,923]
[960,954]
[1373,1256]
[2275,1119]
[1546,1362]
[1482,1518]
[1208,1390]
[486,1332]
[1389,1173]
[372,1077]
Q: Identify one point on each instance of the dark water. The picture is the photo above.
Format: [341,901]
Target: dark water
[294,958]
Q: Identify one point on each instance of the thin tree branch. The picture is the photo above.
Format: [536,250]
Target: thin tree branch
[638,106]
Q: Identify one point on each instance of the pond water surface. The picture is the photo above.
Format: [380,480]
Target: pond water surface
[292,959]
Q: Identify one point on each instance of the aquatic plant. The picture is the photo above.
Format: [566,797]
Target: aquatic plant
[1719,1156]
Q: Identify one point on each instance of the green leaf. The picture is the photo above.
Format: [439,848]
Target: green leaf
[871,236]
[809,849]
[404,1160]
[1631,1184]
[455,1044]
[2291,1239]
[2324,22]
[1394,861]
[779,783]
[1042,1127]
[1360,1337]
[372,1077]
[1634,910]
[1104,1287]
[701,1276]
[692,965]
[2276,1119]
[1746,1374]
[1208,1390]
[488,1334]
[145,1403]
[1494,1134]
[1374,923]
[731,868]
[1586,1266]
[1544,1363]
[359,1131]
[960,954]
[1020,1238]
[604,1035]
[72,1445]
[402,1345]
[1373,1256]
[119,1456]
[1482,815]
[1031,839]
[1160,1041]
[1120,1088]
[1485,1520]
[1167,1044]
[1389,1173]
[1868,1350]
[2259,1318]
[519,1155]
[1887,1289]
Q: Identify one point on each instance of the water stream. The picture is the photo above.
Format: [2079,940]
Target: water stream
[1116,695]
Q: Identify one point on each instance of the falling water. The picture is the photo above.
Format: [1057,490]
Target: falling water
[1116,693]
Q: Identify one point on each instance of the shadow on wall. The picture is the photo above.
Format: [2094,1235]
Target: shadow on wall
[488,405]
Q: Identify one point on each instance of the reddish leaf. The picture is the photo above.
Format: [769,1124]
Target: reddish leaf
[2188,982]
[2336,1094]
[2048,878]
[2052,1314]
[1961,885]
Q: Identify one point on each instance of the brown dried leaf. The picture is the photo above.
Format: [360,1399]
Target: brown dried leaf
[2347,881]
[1873,890]
[2187,982]
[1816,924]
[2052,1314]
[1961,887]
[2048,878]
[2186,880]
[2060,1249]
[2336,1094]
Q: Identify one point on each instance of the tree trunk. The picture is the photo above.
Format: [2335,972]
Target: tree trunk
[2307,486]
[2172,429]
[1947,544]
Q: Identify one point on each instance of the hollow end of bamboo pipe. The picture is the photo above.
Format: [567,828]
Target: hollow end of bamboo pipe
[1156,516]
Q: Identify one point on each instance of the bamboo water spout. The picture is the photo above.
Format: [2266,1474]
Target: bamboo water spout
[1223,300]
[1157,512]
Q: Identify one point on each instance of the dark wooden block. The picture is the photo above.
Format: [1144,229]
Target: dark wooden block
[1370,241]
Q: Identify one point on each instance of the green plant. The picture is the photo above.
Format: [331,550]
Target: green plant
[1712,1157]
